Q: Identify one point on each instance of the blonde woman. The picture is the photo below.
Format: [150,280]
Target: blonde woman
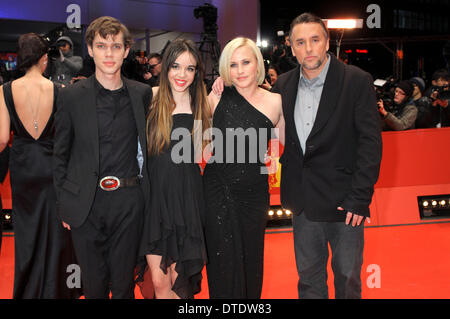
[173,240]
[236,188]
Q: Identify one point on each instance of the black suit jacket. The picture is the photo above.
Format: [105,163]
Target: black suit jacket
[343,151]
[76,146]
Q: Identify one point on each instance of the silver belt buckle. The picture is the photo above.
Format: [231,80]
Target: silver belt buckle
[109,183]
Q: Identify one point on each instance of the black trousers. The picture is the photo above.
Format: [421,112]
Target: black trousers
[311,253]
[107,243]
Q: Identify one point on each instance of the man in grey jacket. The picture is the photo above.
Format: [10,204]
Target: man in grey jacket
[403,113]
[64,67]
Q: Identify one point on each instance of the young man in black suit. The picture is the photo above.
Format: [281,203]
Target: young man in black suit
[100,155]
[330,162]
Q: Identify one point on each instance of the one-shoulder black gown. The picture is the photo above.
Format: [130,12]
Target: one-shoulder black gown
[237,199]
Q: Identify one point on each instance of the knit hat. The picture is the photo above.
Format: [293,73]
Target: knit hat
[66,39]
[407,87]
[419,82]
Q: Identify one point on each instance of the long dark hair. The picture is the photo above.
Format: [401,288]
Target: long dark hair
[159,121]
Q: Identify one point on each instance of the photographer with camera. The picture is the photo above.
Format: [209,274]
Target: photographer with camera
[423,103]
[271,77]
[63,65]
[440,95]
[402,114]
[154,69]
[282,54]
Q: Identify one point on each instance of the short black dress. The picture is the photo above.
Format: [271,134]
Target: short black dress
[173,226]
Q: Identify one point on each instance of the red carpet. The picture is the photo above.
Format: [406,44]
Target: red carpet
[413,261]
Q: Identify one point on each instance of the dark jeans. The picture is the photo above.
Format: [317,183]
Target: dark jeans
[311,253]
[107,243]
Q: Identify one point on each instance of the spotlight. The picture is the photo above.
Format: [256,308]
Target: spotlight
[271,213]
[288,212]
[279,212]
[6,219]
[434,206]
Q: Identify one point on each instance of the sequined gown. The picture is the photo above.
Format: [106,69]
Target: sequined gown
[173,226]
[237,200]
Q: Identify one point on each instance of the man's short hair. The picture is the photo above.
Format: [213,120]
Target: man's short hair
[155,55]
[309,18]
[440,74]
[105,26]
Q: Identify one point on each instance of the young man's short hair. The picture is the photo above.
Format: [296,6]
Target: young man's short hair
[105,26]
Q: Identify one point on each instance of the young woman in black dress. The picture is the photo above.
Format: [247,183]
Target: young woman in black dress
[173,239]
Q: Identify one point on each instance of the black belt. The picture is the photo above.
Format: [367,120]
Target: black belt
[111,183]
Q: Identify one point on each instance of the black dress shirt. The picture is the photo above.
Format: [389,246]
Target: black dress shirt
[117,132]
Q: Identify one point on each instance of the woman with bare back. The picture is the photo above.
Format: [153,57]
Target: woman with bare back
[43,248]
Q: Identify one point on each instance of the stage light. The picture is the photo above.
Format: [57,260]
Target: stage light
[264,43]
[341,25]
[344,23]
[434,206]
[7,216]
[278,217]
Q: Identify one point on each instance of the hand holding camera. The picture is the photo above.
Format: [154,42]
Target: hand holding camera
[381,108]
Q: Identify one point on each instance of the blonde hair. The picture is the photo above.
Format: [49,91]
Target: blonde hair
[225,59]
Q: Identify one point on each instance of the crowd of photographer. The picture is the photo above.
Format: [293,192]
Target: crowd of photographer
[65,68]
[402,105]
[409,104]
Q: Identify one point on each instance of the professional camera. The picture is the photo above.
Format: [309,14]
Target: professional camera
[51,37]
[148,67]
[443,92]
[385,91]
[53,52]
[209,14]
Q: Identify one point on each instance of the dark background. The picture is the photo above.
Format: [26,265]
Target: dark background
[422,27]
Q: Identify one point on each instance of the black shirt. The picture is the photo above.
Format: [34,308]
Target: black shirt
[117,132]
